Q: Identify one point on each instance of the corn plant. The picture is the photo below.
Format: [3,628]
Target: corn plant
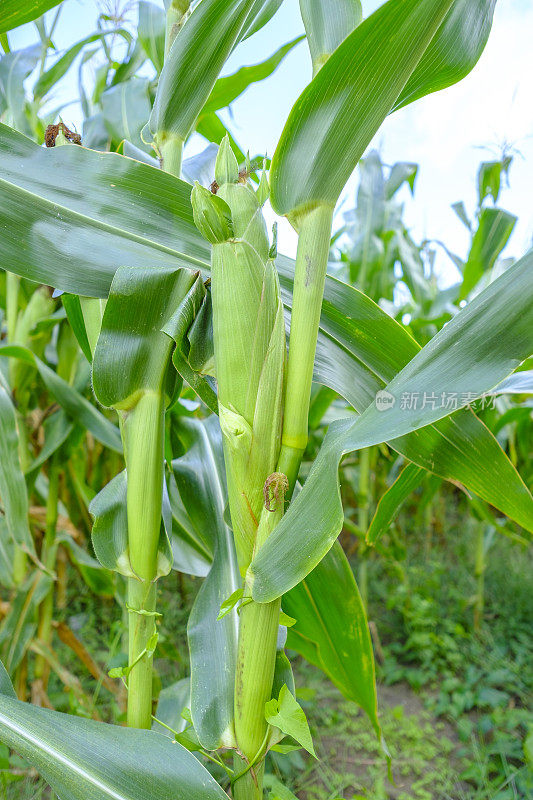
[173,282]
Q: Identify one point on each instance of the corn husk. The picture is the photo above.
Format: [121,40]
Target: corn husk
[249,340]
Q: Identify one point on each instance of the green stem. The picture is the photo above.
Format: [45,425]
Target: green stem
[310,275]
[48,557]
[256,659]
[141,596]
[143,436]
[171,150]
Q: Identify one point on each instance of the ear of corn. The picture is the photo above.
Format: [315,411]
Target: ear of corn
[249,337]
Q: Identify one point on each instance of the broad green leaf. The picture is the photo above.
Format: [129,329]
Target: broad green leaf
[81,758]
[115,211]
[454,51]
[132,352]
[13,492]
[360,349]
[337,115]
[200,477]
[331,630]
[227,89]
[287,714]
[14,13]
[193,65]
[495,228]
[76,406]
[126,108]
[151,32]
[73,206]
[469,356]
[110,526]
[389,505]
[190,326]
[327,24]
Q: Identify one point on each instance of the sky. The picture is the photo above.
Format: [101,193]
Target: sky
[447,133]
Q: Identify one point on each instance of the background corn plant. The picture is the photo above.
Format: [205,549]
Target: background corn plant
[104,227]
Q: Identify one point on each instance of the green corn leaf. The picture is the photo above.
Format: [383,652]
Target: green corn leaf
[13,492]
[7,555]
[20,625]
[81,758]
[469,356]
[493,233]
[337,115]
[201,482]
[327,24]
[454,51]
[490,177]
[227,89]
[98,579]
[389,505]
[126,109]
[132,353]
[72,306]
[15,67]
[214,130]
[331,630]
[193,65]
[458,448]
[51,76]
[151,32]
[74,206]
[14,13]
[57,429]
[287,714]
[115,211]
[260,14]
[110,526]
[74,404]
[171,702]
[6,687]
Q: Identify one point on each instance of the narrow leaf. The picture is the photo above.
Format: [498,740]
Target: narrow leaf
[13,492]
[390,502]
